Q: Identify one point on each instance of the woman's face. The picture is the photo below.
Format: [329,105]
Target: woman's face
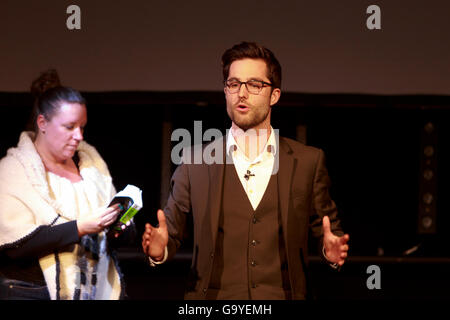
[64,131]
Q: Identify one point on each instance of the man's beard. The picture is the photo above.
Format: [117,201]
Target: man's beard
[254,117]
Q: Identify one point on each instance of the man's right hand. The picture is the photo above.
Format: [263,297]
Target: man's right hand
[154,240]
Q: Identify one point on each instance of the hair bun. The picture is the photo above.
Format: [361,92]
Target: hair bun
[47,80]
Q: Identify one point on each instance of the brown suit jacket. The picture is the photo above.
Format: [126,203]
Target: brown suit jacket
[304,201]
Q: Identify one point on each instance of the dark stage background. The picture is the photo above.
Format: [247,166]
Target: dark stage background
[374,155]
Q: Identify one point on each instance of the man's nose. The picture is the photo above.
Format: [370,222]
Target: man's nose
[243,92]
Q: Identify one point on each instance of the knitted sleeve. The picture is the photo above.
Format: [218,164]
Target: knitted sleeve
[45,240]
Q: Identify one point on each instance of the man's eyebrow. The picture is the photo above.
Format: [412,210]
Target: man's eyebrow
[253,78]
[257,79]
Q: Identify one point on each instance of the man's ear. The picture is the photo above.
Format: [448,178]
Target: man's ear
[275,96]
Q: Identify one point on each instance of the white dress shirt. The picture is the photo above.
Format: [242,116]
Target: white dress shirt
[253,174]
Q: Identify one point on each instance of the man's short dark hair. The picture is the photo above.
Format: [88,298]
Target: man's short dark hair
[253,50]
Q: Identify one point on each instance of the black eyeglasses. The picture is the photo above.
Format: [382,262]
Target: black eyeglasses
[253,86]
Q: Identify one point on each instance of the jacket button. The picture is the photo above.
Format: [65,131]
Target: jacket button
[204,290]
[254,220]
[212,255]
[253,263]
[254,242]
[254,285]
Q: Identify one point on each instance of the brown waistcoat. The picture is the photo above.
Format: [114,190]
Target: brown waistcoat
[249,259]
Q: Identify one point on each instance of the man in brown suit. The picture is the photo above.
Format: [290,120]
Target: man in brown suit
[252,210]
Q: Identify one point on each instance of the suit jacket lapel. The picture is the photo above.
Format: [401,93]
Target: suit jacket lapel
[216,176]
[285,174]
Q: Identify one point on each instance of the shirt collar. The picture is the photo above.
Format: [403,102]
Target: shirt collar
[270,147]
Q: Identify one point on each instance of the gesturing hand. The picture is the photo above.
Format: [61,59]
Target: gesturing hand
[335,247]
[154,240]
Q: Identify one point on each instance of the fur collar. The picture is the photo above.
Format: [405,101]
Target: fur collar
[90,161]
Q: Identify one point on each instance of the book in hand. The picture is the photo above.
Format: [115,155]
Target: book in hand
[130,200]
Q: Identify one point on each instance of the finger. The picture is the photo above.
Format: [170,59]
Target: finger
[111,209]
[344,239]
[161,219]
[145,247]
[110,214]
[110,218]
[146,236]
[343,255]
[344,248]
[117,206]
[148,227]
[326,225]
[107,223]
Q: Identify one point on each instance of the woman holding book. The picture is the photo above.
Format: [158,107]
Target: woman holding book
[54,193]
